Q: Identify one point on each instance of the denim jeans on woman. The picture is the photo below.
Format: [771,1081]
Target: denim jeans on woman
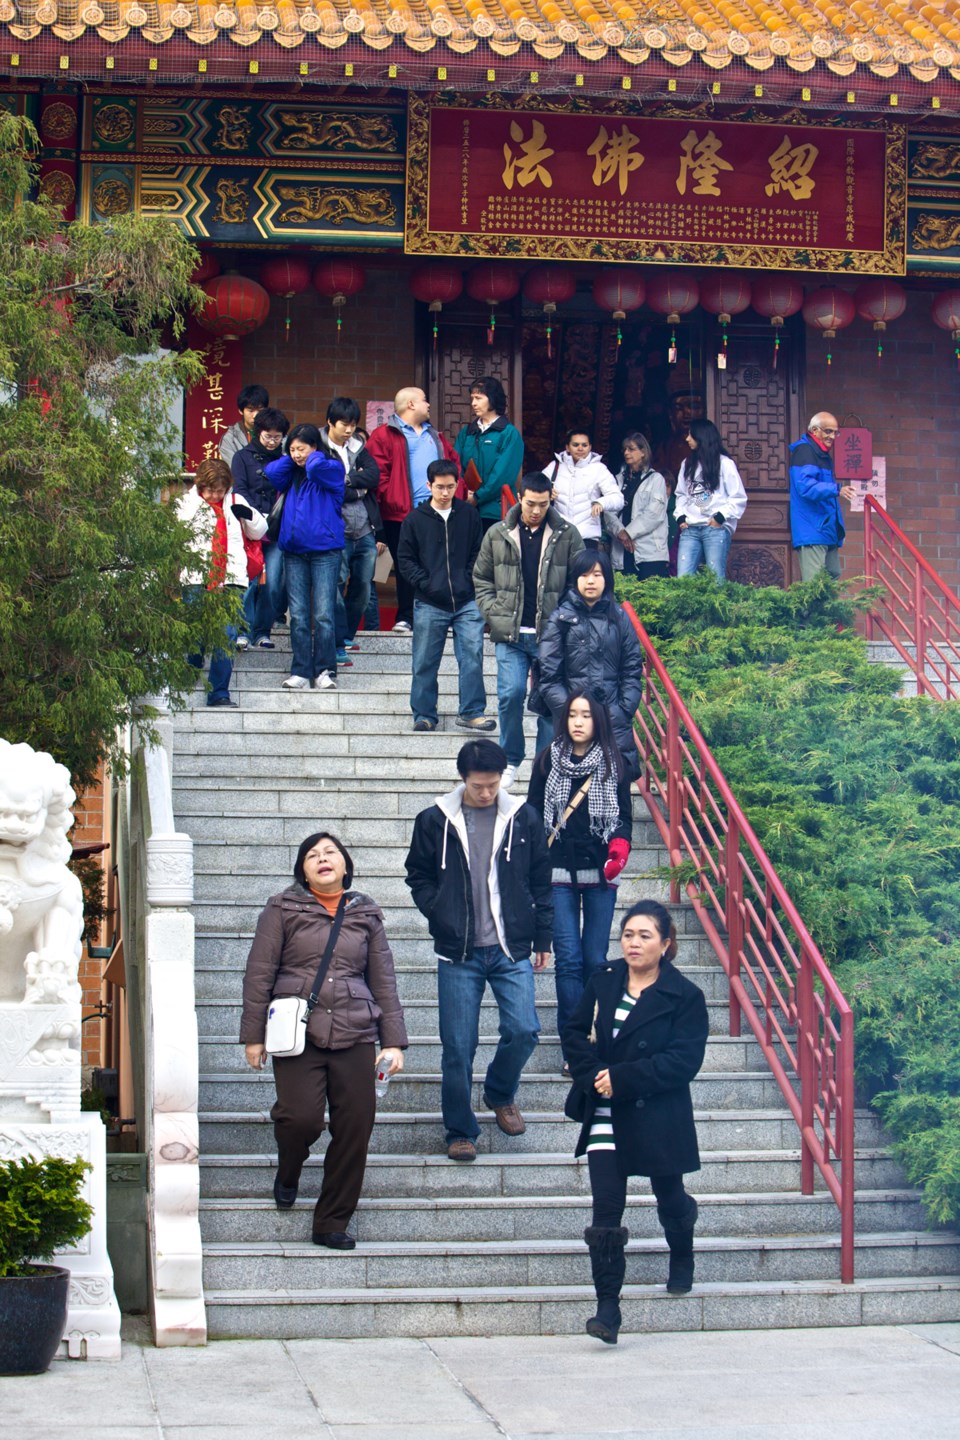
[221,663]
[513,668]
[460,990]
[312,592]
[582,917]
[708,544]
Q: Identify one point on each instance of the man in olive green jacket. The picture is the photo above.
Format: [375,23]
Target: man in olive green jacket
[519,578]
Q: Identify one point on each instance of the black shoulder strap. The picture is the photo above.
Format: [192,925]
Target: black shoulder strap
[314,999]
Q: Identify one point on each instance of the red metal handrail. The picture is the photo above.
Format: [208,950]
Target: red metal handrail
[918,609]
[777,977]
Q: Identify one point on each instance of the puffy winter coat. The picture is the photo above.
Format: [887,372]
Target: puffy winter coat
[698,506]
[498,575]
[388,448]
[249,477]
[359,999]
[596,650]
[437,556]
[577,485]
[644,517]
[658,1051]
[815,517]
[312,520]
[195,512]
[521,894]
[497,452]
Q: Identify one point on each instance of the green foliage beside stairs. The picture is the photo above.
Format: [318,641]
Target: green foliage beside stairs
[41,1210]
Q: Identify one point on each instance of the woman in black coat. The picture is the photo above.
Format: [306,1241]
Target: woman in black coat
[588,646]
[635,1042]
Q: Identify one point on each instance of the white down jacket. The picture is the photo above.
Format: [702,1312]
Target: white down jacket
[577,485]
[194,511]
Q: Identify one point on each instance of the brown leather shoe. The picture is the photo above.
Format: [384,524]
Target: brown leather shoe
[462,1150]
[508,1117]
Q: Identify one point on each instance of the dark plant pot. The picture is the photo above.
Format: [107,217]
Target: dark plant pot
[33,1316]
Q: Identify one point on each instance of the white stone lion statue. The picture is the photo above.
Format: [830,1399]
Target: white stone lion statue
[41,901]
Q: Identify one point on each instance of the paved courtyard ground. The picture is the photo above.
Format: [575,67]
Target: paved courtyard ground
[879,1383]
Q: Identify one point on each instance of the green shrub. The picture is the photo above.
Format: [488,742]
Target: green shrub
[41,1209]
[853,791]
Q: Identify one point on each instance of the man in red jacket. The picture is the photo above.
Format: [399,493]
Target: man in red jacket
[402,449]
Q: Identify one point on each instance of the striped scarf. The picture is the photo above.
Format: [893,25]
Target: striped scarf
[567,774]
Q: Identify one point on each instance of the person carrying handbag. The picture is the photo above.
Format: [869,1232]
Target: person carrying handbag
[355,1027]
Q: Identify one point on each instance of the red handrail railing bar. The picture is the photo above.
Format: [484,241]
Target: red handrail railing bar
[777,977]
[918,610]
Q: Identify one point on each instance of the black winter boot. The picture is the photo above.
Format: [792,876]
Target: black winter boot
[679,1235]
[608,1264]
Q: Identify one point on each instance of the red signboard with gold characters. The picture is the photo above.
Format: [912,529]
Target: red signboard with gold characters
[608,185]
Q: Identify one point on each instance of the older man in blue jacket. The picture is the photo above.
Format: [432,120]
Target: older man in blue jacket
[816,524]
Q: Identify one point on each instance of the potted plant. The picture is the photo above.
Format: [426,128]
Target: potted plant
[41,1209]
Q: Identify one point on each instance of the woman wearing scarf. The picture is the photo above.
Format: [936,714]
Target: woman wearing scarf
[579,787]
[639,534]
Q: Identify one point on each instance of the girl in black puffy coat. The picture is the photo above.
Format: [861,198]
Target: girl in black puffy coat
[588,646]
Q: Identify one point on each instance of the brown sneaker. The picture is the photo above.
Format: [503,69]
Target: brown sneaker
[462,1150]
[508,1117]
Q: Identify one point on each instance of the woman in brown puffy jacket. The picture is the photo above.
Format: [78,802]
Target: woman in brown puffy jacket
[356,1028]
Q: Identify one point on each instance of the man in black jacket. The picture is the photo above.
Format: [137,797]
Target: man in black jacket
[439,541]
[265,604]
[479,870]
[362,526]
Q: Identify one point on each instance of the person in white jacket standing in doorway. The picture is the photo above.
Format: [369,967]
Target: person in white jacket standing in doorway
[710,500]
[583,488]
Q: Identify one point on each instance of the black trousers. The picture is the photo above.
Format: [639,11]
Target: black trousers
[342,1082]
[609,1190]
[391,533]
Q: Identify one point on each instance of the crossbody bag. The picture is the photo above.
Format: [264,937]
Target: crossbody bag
[288,1014]
[575,800]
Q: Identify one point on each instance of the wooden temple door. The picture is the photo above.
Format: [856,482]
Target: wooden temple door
[463,356]
[756,408]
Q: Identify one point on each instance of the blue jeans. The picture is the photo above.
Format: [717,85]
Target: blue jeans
[704,543]
[356,570]
[371,616]
[460,990]
[430,626]
[274,566]
[312,591]
[579,952]
[513,667]
[221,663]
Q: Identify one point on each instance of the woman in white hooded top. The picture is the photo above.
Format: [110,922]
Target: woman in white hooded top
[710,500]
[583,488]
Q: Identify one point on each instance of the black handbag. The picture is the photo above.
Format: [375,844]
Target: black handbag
[535,701]
[275,516]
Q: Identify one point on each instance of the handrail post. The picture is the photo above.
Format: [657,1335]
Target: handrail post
[806,1044]
[920,629]
[674,793]
[734,896]
[846,1137]
[868,556]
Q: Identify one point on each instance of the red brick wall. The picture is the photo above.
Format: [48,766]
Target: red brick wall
[373,359]
[910,403]
[91,825]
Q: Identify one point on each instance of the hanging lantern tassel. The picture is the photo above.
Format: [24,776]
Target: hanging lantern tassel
[777,323]
[435,307]
[339,300]
[829,336]
[956,346]
[673,320]
[492,327]
[619,315]
[724,319]
[287,323]
[879,327]
[549,311]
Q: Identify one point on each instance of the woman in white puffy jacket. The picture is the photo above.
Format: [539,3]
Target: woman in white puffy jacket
[583,488]
[710,500]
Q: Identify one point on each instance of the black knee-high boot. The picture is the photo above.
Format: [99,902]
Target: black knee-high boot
[608,1264]
[678,1230]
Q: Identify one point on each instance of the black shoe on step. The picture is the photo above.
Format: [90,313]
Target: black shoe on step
[284,1195]
[335,1240]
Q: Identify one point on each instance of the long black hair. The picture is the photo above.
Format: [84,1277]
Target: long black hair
[706,456]
[308,845]
[602,735]
[661,917]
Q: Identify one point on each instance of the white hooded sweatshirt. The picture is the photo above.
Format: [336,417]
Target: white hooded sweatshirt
[577,485]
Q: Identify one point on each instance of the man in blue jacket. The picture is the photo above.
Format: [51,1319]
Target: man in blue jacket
[816,524]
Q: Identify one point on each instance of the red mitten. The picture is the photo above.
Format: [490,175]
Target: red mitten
[618,852]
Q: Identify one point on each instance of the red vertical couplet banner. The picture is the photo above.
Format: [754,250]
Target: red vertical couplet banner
[211,404]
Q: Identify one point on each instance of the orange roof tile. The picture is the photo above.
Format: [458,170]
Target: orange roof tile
[878,35]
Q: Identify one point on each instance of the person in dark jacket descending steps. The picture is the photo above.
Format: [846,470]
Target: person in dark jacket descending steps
[635,1042]
[439,542]
[479,870]
[264,604]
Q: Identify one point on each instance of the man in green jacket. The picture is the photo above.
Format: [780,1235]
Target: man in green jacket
[519,578]
[495,447]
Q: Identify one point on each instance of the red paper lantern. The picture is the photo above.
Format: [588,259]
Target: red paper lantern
[880,301]
[946,313]
[673,293]
[208,269]
[338,280]
[236,306]
[724,296]
[436,284]
[829,310]
[493,284]
[549,286]
[619,290]
[776,297]
[286,278]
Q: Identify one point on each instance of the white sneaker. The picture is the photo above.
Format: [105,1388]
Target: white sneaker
[508,776]
[325,681]
[296,682]
[403,627]
[243,643]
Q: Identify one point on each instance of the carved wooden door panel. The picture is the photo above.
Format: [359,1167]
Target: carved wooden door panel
[756,410]
[464,356]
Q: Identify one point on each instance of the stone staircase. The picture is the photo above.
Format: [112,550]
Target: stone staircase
[496,1247]
[881,652]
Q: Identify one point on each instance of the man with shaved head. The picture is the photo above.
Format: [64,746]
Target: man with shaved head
[403,448]
[816,524]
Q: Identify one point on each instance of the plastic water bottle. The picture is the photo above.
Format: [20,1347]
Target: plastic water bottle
[382,1081]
